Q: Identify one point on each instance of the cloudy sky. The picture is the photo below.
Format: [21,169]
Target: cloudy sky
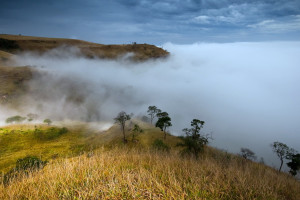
[157,22]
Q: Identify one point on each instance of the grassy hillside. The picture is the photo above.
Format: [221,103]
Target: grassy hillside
[108,169]
[14,44]
[17,141]
[12,81]
[124,173]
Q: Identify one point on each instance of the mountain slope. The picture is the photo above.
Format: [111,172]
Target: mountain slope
[16,44]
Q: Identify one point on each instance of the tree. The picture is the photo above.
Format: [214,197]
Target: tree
[294,165]
[163,122]
[17,119]
[153,111]
[193,141]
[136,129]
[48,121]
[282,151]
[32,116]
[247,154]
[121,120]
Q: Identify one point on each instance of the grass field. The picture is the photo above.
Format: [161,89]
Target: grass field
[130,173]
[85,163]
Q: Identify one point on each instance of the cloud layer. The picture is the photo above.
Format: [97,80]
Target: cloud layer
[247,93]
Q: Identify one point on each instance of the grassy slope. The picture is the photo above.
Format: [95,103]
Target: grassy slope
[12,81]
[40,44]
[134,171]
[17,141]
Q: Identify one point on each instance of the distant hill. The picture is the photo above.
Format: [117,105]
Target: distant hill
[13,79]
[12,44]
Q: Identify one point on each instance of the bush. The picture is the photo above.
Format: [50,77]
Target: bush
[50,133]
[8,44]
[160,145]
[23,166]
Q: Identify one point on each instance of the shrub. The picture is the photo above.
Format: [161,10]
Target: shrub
[160,145]
[50,133]
[23,166]
[8,44]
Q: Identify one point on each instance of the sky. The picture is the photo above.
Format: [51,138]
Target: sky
[155,22]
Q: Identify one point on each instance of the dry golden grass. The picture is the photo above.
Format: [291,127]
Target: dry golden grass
[128,173]
[40,44]
[12,80]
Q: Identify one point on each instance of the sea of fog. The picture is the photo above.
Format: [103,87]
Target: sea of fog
[247,93]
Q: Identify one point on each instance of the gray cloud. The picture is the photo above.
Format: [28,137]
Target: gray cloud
[151,21]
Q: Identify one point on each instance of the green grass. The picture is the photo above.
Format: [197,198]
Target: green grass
[48,142]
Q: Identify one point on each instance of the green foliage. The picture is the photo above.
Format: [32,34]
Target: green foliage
[24,165]
[294,164]
[193,142]
[48,121]
[160,145]
[50,133]
[16,119]
[163,122]
[121,120]
[136,130]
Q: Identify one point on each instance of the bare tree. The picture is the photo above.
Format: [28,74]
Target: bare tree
[153,111]
[121,120]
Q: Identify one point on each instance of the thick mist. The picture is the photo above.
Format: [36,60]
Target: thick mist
[247,93]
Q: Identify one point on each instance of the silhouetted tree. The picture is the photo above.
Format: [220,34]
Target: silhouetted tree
[163,122]
[247,154]
[193,141]
[48,121]
[153,111]
[121,120]
[294,165]
[32,116]
[282,151]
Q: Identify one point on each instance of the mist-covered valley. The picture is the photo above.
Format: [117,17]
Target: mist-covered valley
[247,93]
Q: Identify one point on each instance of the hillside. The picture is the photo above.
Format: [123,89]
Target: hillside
[13,44]
[19,140]
[88,164]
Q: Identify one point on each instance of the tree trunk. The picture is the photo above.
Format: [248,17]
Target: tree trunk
[280,165]
[124,138]
[165,136]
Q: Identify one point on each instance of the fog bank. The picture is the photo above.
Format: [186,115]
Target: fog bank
[247,93]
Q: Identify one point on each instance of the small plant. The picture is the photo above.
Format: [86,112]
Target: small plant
[160,145]
[136,130]
[48,121]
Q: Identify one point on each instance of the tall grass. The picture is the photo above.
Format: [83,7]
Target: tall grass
[123,173]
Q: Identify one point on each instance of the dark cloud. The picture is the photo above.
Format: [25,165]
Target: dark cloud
[152,21]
